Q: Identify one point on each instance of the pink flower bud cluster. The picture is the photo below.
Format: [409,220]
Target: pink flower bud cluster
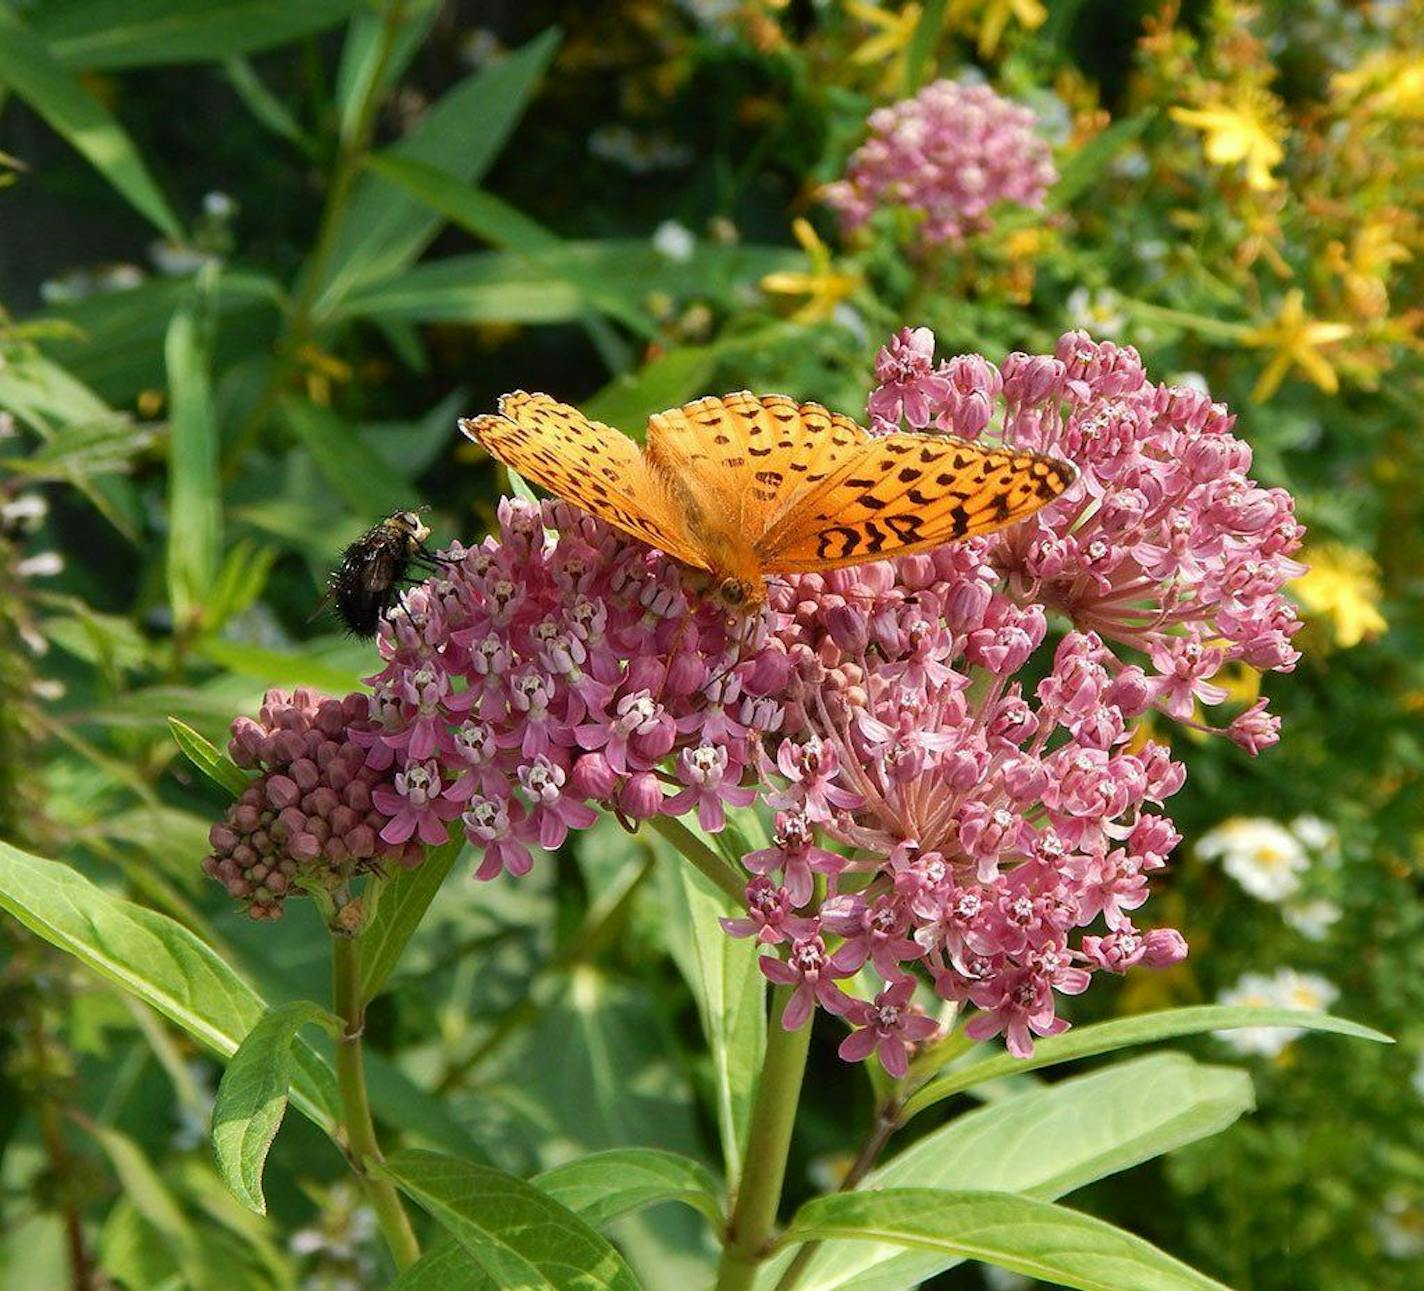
[557,669]
[314,809]
[948,155]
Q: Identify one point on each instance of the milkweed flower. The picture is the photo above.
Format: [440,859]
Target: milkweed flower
[960,800]
[947,155]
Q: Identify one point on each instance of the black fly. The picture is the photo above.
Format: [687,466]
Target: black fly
[373,570]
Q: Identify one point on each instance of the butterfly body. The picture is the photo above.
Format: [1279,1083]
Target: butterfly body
[742,486]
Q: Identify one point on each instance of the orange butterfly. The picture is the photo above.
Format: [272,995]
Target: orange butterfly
[744,485]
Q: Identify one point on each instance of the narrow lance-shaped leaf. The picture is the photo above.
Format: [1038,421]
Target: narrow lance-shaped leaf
[252,1097]
[1121,1033]
[109,34]
[384,230]
[28,67]
[1035,1238]
[156,959]
[400,903]
[208,758]
[194,486]
[1100,1123]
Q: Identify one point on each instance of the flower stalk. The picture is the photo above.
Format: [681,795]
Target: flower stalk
[349,1005]
[768,1142]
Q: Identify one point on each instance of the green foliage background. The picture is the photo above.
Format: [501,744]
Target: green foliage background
[254,260]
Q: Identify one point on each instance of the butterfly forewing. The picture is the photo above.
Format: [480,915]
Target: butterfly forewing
[584,462]
[904,493]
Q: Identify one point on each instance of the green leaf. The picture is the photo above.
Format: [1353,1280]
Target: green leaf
[400,903]
[265,106]
[1082,169]
[496,221]
[1120,1033]
[350,466]
[555,283]
[483,287]
[153,958]
[28,68]
[208,758]
[120,343]
[608,1184]
[1035,1238]
[252,1097]
[194,489]
[48,397]
[273,668]
[446,1267]
[671,379]
[1098,1124]
[384,230]
[919,56]
[520,1236]
[110,34]
[729,989]
[151,1198]
[478,213]
[361,61]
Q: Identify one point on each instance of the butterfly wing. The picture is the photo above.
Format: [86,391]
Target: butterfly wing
[749,457]
[903,493]
[587,463]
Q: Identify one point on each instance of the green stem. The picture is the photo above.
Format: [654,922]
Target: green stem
[350,1007]
[701,856]
[768,1142]
[1218,329]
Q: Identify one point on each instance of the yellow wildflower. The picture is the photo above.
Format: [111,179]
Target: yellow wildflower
[1342,585]
[1247,129]
[1365,266]
[893,31]
[1296,339]
[990,18]
[825,286]
[1395,82]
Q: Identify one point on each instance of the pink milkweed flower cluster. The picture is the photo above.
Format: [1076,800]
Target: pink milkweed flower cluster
[1004,831]
[556,669]
[959,801]
[948,155]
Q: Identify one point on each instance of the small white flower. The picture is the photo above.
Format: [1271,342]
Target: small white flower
[176,260]
[219,205]
[1284,989]
[481,48]
[1098,313]
[1192,381]
[1417,1079]
[1312,919]
[1400,1228]
[674,241]
[1318,835]
[1264,857]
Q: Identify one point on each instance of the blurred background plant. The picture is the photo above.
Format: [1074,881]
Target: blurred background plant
[255,259]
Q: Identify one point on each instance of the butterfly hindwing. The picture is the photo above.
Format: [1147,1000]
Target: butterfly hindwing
[904,493]
[584,462]
[754,454]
